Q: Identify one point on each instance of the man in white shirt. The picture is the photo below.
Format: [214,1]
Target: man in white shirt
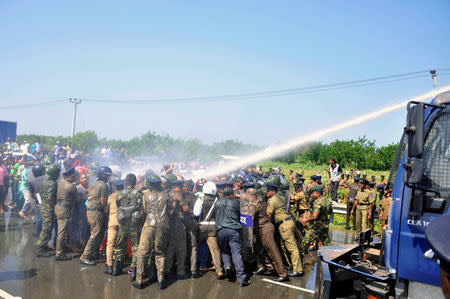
[335,177]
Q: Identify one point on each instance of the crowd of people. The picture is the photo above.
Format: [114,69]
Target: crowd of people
[163,225]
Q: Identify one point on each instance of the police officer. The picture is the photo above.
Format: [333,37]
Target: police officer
[97,197]
[264,232]
[227,222]
[277,209]
[298,200]
[203,209]
[155,232]
[312,184]
[128,202]
[362,206]
[113,225]
[47,194]
[383,216]
[354,188]
[437,236]
[320,221]
[191,226]
[383,181]
[66,196]
[372,199]
[176,252]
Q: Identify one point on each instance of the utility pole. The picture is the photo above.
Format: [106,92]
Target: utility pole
[75,103]
[434,77]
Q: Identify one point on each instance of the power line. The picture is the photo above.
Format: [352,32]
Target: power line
[280,92]
[253,95]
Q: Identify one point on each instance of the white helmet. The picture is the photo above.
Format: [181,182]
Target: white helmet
[210,188]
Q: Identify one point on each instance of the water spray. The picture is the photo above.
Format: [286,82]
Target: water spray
[278,150]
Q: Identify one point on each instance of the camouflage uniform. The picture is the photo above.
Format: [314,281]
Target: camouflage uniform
[319,228]
[48,197]
[129,227]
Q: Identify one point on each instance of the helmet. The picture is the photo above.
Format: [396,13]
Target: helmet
[38,170]
[53,171]
[104,172]
[210,188]
[48,160]
[171,177]
[152,179]
[284,184]
[273,180]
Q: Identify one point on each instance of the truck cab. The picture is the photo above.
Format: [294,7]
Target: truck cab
[420,177]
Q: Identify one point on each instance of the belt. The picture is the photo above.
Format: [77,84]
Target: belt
[207,223]
[284,220]
[63,205]
[93,210]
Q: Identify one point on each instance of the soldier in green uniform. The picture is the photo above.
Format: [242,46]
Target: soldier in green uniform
[48,198]
[320,221]
[276,208]
[97,197]
[155,232]
[362,206]
[176,251]
[311,185]
[66,196]
[128,202]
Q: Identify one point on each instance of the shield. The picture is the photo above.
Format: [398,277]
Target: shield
[247,212]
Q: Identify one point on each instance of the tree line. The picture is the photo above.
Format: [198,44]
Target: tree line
[360,153]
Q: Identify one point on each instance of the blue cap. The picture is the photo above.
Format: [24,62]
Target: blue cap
[371,184]
[313,177]
[381,187]
[270,187]
[298,184]
[364,181]
[301,179]
[119,182]
[298,175]
[224,184]
[437,236]
[248,185]
[70,172]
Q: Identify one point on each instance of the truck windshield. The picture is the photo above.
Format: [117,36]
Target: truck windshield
[436,155]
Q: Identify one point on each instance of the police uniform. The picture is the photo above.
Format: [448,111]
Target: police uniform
[177,248]
[47,193]
[285,224]
[362,210]
[113,228]
[354,188]
[373,197]
[96,219]
[65,197]
[264,232]
[299,201]
[383,216]
[154,235]
[319,226]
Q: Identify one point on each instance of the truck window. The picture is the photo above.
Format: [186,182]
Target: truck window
[397,159]
[436,155]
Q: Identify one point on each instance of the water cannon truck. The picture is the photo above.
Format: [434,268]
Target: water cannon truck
[401,264]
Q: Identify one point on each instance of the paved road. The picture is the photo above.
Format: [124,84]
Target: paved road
[23,275]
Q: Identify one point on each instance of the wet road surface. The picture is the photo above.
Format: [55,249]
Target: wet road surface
[23,275]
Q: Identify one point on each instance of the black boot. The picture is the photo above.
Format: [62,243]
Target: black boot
[137,285]
[108,270]
[116,268]
[133,274]
[162,284]
[43,252]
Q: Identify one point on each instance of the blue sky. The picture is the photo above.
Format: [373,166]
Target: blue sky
[55,50]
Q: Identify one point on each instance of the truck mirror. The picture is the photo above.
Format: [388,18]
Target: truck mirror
[415,130]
